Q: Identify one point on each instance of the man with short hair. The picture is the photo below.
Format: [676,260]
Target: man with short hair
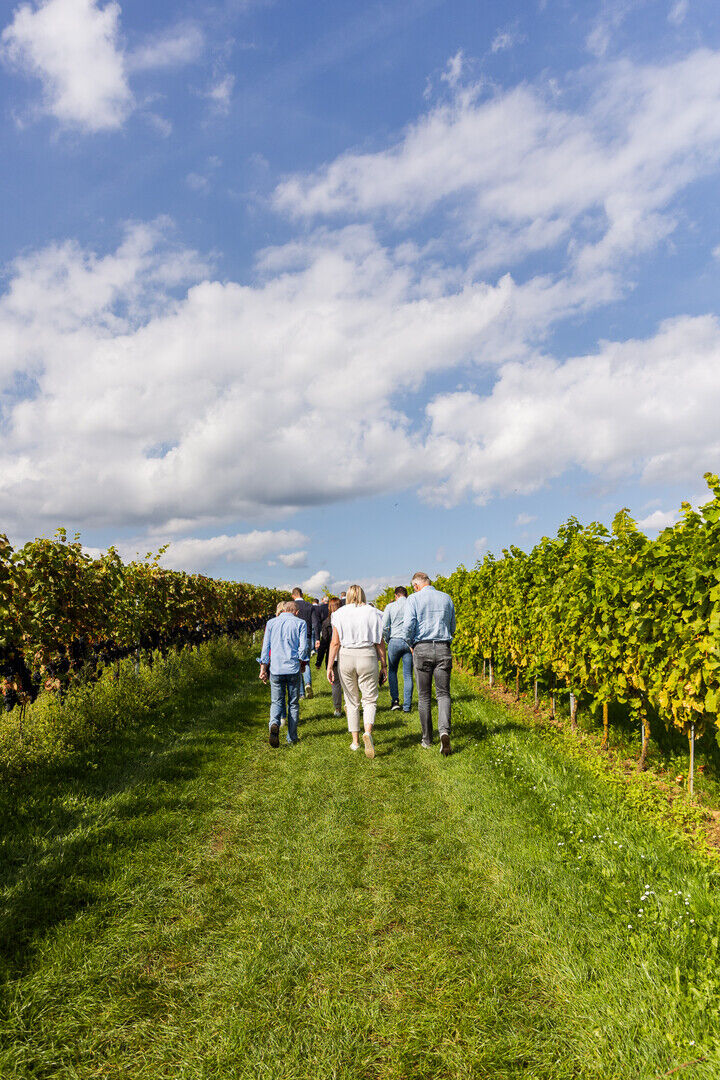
[305,611]
[429,626]
[398,649]
[284,656]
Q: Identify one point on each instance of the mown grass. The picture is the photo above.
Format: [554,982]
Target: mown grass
[202,906]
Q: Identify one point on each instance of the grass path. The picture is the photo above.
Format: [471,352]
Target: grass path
[200,906]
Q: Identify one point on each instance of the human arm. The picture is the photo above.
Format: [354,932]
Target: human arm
[303,646]
[265,654]
[333,655]
[386,623]
[410,621]
[382,657]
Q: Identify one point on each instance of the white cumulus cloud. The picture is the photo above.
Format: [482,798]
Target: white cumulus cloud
[317,583]
[294,559]
[658,520]
[72,47]
[522,172]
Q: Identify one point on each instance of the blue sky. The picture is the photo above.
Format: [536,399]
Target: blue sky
[325,292]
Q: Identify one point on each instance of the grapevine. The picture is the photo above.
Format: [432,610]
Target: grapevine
[65,615]
[608,615]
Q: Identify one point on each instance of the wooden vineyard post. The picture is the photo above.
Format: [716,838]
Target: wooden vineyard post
[517,682]
[484,666]
[573,712]
[606,725]
[691,774]
[490,680]
[552,698]
[645,736]
[535,691]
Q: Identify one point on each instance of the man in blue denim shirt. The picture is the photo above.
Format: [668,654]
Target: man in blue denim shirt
[429,626]
[284,655]
[398,649]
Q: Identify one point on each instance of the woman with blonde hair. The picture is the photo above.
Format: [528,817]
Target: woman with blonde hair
[357,644]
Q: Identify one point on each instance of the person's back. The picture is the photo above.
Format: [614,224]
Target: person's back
[284,655]
[429,627]
[429,615]
[358,645]
[398,650]
[359,625]
[305,612]
[286,644]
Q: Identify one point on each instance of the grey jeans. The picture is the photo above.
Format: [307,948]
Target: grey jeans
[433,659]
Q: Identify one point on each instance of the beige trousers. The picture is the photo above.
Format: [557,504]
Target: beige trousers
[359,677]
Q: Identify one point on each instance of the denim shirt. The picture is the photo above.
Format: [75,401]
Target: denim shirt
[285,644]
[394,619]
[429,616]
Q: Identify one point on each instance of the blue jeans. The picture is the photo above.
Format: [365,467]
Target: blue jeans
[280,685]
[304,679]
[398,649]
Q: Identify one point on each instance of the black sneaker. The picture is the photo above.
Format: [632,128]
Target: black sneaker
[394,706]
[274,734]
[445,749]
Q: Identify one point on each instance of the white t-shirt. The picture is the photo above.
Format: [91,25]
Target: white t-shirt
[358,625]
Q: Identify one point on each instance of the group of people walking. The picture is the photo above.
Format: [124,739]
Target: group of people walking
[364,647]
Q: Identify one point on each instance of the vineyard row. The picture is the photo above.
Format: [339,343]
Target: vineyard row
[607,614]
[65,615]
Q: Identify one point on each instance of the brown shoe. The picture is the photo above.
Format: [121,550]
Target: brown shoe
[274,734]
[445,748]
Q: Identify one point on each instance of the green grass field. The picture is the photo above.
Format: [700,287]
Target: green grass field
[189,903]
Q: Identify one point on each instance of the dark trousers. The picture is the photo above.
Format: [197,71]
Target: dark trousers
[433,660]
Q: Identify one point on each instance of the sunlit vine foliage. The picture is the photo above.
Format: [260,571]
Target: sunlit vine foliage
[64,614]
[609,614]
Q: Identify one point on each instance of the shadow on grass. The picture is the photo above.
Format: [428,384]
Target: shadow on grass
[61,836]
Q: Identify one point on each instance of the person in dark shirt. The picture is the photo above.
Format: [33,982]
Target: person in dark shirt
[324,647]
[320,614]
[305,612]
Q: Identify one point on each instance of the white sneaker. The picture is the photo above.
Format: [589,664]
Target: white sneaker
[426,745]
[369,745]
[354,746]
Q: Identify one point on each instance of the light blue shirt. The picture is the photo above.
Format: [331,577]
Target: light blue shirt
[285,644]
[429,616]
[394,619]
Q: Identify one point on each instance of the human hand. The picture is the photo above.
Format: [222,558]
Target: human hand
[264,677]
[331,675]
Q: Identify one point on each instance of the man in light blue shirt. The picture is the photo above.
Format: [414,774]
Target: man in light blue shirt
[284,655]
[429,626]
[398,649]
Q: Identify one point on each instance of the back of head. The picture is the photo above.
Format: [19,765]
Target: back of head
[400,591]
[420,578]
[355,595]
[297,593]
[281,607]
[291,607]
[333,604]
